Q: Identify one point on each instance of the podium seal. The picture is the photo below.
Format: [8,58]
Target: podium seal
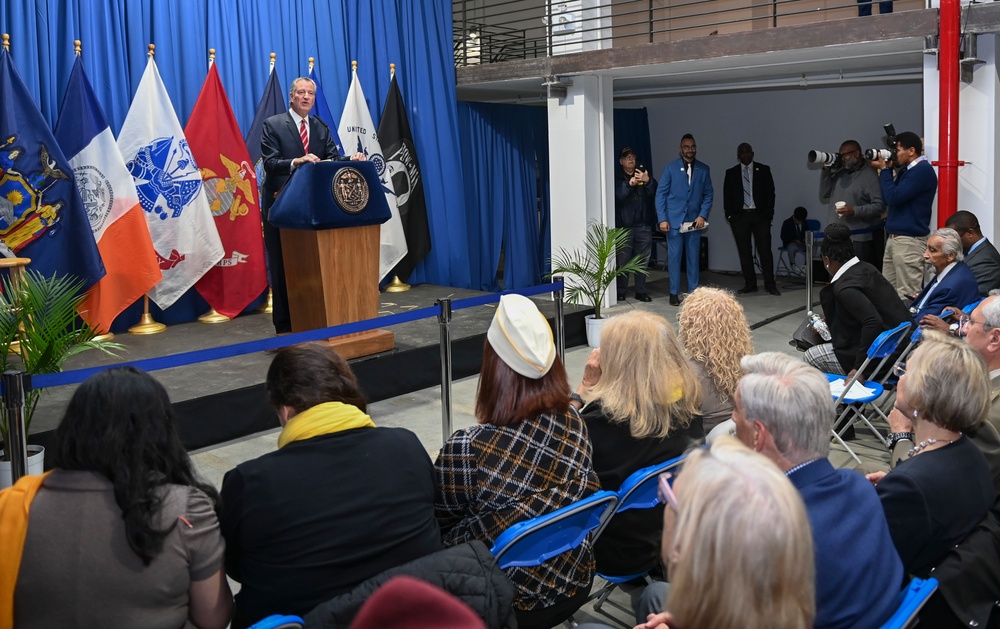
[350,190]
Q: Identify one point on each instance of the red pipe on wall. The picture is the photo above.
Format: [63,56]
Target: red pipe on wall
[950,15]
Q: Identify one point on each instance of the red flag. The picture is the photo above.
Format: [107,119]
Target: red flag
[231,185]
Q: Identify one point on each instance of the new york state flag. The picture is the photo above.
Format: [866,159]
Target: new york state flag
[170,189]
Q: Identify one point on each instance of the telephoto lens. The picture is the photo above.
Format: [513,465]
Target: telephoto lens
[885,154]
[830,160]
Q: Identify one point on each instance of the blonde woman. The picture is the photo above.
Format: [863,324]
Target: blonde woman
[738,544]
[642,404]
[716,335]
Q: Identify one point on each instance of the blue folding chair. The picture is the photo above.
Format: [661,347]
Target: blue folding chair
[911,599]
[881,349]
[639,491]
[535,541]
[279,621]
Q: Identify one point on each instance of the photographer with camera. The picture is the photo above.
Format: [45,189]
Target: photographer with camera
[910,196]
[854,198]
[635,209]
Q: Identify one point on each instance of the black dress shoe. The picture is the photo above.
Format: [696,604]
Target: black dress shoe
[621,296]
[747,290]
[674,300]
[773,290]
[643,297]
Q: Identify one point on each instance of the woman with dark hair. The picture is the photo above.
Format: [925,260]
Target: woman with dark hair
[859,304]
[339,502]
[122,533]
[529,455]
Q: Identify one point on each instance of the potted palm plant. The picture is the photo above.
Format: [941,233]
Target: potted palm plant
[39,330]
[592,269]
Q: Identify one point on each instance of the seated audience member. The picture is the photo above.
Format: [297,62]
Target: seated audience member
[937,496]
[981,256]
[340,501]
[122,533]
[858,304]
[409,603]
[737,543]
[793,236]
[642,401]
[953,282]
[784,411]
[715,334]
[529,455]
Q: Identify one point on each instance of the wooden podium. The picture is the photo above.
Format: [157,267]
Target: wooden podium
[329,215]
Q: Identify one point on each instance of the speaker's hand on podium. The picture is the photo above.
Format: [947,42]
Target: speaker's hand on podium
[358,157]
[307,158]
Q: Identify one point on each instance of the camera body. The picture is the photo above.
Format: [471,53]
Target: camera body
[830,160]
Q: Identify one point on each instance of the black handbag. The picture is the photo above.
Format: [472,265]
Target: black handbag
[805,336]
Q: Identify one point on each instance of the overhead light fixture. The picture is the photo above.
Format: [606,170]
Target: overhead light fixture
[557,87]
[969,59]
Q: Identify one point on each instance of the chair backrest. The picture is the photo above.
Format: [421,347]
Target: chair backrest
[641,489]
[887,342]
[911,600]
[812,225]
[970,307]
[279,621]
[537,540]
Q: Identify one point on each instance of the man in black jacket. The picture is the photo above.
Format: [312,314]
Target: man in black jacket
[748,199]
[635,209]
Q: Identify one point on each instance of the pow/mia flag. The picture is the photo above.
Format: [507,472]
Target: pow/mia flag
[404,170]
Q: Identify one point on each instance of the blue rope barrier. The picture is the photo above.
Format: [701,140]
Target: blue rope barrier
[41,381]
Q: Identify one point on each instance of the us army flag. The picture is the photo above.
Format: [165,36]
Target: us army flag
[170,189]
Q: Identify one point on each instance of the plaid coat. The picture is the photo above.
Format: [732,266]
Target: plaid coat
[490,477]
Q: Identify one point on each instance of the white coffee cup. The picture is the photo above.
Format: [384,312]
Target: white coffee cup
[840,205]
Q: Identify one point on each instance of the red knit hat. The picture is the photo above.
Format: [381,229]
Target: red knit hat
[408,603]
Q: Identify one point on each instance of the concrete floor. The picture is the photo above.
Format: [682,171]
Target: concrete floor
[775,317]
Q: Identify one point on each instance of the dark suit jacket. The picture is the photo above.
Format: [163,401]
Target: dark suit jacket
[852,545]
[763,190]
[958,288]
[984,262]
[858,307]
[280,144]
[933,500]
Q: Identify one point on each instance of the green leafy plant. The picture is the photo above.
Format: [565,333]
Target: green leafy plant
[40,330]
[593,268]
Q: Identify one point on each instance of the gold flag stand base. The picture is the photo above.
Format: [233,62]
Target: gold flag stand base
[397,286]
[213,317]
[105,337]
[147,325]
[268,306]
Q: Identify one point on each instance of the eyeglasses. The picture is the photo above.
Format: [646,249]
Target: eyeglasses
[899,369]
[666,492]
[966,320]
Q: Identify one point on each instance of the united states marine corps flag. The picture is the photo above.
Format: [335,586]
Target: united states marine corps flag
[231,186]
[41,213]
[404,169]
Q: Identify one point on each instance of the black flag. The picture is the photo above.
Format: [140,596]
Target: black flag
[401,162]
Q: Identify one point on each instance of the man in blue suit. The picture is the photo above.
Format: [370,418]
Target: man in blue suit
[684,196]
[953,282]
[782,409]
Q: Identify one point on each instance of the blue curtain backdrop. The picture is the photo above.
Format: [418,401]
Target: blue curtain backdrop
[416,36]
[632,129]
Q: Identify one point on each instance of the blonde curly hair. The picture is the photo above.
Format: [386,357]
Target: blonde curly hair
[714,332]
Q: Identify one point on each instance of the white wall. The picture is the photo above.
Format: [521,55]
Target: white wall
[782,125]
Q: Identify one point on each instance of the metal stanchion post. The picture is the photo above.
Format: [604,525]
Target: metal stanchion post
[15,383]
[809,271]
[444,324]
[560,323]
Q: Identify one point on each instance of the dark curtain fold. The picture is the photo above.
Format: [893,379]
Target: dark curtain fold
[416,36]
[501,194]
[632,129]
[539,119]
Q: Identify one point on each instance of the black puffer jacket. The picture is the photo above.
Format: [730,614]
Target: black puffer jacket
[468,571]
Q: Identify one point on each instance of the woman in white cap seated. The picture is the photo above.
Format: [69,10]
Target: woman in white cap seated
[529,455]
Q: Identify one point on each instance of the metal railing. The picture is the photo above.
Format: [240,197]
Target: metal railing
[491,31]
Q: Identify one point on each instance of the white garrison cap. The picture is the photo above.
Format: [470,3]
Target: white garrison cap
[521,337]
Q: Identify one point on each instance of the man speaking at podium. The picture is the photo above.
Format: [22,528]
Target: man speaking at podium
[288,141]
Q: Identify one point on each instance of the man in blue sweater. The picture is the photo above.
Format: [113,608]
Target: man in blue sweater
[910,197]
[782,409]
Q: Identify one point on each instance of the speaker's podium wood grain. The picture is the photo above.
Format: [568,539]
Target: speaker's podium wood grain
[332,274]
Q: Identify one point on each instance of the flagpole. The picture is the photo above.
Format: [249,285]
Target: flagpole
[212,316]
[396,285]
[268,307]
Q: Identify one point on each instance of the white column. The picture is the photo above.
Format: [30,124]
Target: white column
[979,119]
[581,164]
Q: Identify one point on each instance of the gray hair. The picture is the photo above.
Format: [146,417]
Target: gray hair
[291,88]
[792,399]
[991,311]
[952,242]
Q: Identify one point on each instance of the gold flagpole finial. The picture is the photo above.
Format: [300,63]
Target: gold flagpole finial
[77,47]
[211,55]
[152,49]
[312,62]
[392,69]
[354,66]
[273,57]
[6,42]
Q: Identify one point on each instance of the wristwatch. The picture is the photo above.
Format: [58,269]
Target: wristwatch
[953,328]
[896,437]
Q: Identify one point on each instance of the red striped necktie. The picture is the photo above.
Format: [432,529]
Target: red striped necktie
[304,134]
